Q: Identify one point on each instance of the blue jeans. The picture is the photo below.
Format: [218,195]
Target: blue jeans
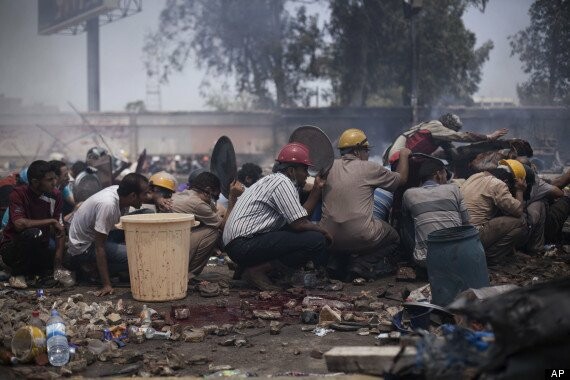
[115,251]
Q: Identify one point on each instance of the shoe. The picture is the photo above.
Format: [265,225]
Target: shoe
[258,278]
[4,275]
[18,282]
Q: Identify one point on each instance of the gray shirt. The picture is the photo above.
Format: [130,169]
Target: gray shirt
[433,207]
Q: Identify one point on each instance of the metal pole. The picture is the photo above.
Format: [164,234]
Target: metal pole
[93,93]
[414,89]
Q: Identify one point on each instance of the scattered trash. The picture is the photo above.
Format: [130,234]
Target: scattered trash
[420,294]
[322,331]
[27,343]
[359,281]
[318,302]
[64,277]
[180,312]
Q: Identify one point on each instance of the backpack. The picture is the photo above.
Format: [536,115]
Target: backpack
[421,141]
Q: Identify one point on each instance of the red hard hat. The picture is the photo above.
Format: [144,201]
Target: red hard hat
[295,153]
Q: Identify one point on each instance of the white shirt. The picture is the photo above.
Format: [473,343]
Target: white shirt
[99,213]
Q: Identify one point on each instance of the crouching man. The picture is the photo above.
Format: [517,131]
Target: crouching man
[494,200]
[268,227]
[35,213]
[200,199]
[95,218]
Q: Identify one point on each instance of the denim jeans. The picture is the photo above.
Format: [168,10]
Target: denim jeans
[291,248]
[116,253]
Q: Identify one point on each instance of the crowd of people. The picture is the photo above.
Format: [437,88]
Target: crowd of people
[272,225]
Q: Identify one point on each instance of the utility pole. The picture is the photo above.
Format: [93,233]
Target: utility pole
[93,92]
[411,9]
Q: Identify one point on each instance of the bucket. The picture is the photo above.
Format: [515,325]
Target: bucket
[27,343]
[158,248]
[455,262]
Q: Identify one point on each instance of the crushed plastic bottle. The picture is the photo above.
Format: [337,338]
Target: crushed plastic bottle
[145,316]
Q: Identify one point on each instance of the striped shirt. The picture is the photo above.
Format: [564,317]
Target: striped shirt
[433,207]
[267,205]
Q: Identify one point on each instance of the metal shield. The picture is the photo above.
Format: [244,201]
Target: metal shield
[321,150]
[223,163]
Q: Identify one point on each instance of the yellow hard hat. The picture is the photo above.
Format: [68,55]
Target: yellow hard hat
[516,168]
[163,179]
[353,138]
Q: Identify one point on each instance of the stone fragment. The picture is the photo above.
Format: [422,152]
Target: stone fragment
[76,366]
[275,327]
[359,281]
[114,318]
[407,274]
[328,316]
[198,360]
[267,314]
[193,336]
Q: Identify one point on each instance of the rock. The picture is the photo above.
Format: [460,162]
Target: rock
[77,297]
[216,368]
[392,310]
[291,304]
[307,328]
[309,317]
[316,354]
[193,336]
[114,318]
[296,352]
[176,329]
[275,327]
[262,351]
[362,305]
[311,301]
[77,365]
[158,324]
[228,342]
[328,316]
[407,274]
[198,360]
[267,314]
[241,342]
[359,281]
[94,334]
[267,295]
[334,286]
[363,331]
[209,289]
[376,305]
[210,329]
[222,303]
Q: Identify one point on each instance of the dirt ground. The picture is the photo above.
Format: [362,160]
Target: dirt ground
[292,352]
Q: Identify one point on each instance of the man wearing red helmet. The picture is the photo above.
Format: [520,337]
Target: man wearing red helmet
[268,227]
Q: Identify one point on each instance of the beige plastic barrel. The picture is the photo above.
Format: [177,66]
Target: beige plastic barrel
[158,247]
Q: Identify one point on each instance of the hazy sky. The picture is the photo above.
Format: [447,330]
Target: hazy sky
[52,69]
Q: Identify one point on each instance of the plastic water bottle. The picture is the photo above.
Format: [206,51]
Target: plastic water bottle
[57,346]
